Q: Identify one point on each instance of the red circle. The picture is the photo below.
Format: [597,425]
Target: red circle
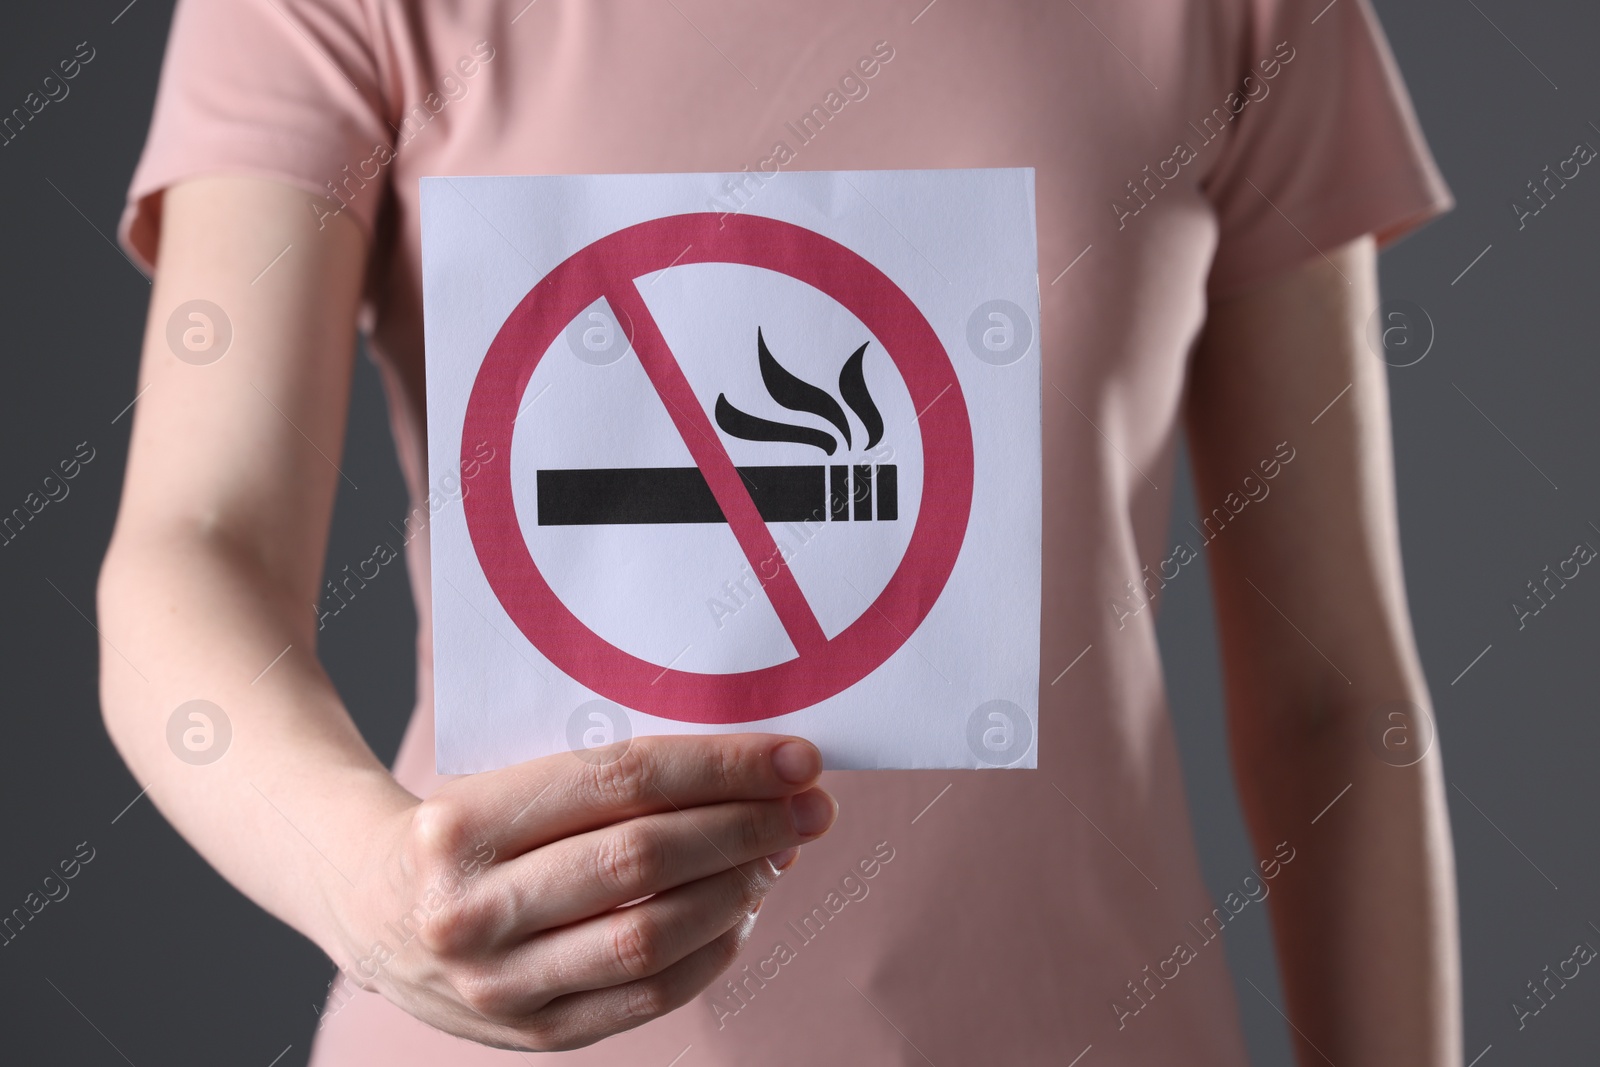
[750,240]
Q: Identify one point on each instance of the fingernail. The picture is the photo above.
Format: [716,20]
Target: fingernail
[812,812]
[782,861]
[796,761]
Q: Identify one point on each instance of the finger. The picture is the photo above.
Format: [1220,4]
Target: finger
[628,944]
[543,800]
[584,1018]
[623,945]
[585,875]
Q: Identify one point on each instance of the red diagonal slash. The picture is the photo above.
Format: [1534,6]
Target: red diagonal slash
[707,450]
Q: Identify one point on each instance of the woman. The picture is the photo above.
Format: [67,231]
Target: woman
[1213,179]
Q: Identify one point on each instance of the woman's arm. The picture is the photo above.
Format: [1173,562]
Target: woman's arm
[207,593]
[1316,639]
[219,543]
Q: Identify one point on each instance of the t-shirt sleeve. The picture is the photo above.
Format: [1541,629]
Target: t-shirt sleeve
[1324,151]
[282,89]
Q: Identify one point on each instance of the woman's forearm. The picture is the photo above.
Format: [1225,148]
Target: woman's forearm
[284,810]
[1364,916]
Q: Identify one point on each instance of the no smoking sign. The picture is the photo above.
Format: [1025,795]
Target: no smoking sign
[775,470]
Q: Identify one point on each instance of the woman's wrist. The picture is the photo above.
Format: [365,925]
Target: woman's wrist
[376,810]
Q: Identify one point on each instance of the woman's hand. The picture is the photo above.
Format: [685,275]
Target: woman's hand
[506,907]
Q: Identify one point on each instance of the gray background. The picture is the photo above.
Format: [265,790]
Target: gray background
[154,955]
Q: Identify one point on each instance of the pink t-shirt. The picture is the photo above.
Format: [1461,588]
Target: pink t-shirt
[1184,150]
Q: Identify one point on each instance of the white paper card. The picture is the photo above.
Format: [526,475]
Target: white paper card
[735,452]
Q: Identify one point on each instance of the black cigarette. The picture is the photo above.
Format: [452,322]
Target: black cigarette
[621,496]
